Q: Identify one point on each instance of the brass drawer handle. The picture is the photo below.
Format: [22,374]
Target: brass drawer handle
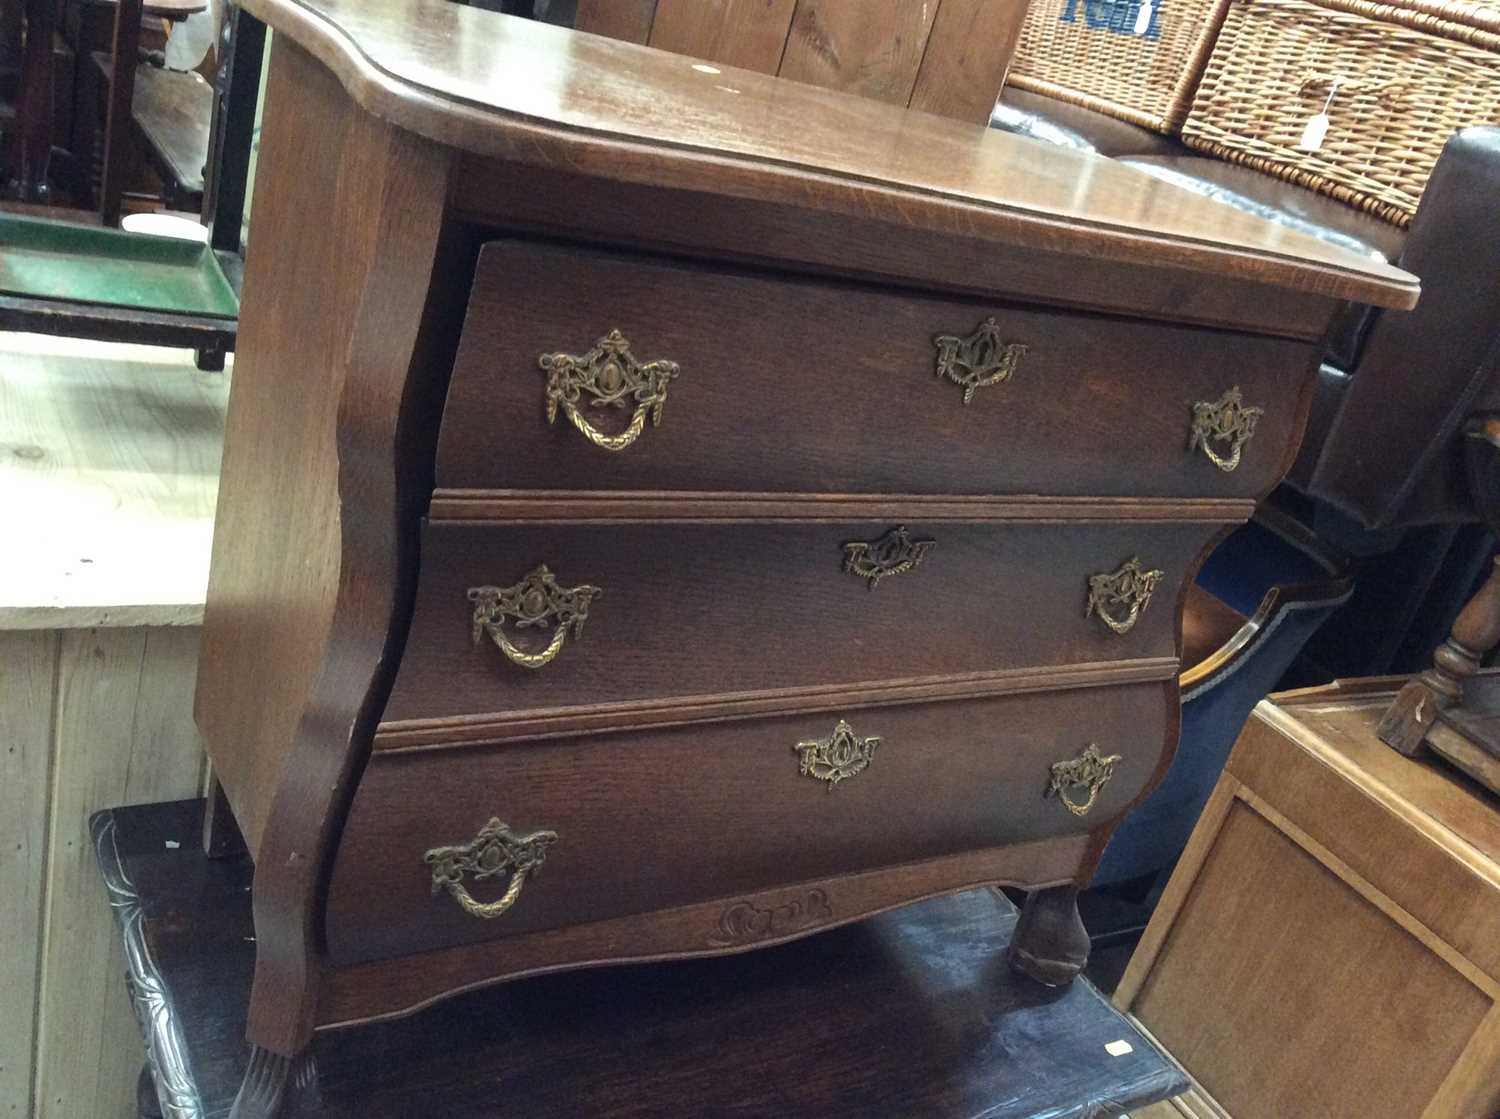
[1119,597]
[611,376]
[537,601]
[895,553]
[1091,770]
[838,757]
[1226,421]
[979,360]
[493,851]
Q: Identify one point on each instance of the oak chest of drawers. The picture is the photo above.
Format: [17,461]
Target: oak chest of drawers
[668,512]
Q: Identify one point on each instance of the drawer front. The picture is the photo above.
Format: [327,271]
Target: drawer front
[667,817]
[713,611]
[785,385]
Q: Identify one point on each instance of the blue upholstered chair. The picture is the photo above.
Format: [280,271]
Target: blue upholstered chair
[1271,577]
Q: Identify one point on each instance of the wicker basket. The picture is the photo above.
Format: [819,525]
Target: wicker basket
[1087,52]
[1408,77]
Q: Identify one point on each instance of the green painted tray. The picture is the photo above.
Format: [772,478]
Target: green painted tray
[43,259]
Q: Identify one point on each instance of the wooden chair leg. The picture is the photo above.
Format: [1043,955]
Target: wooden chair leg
[1476,631]
[117,118]
[31,148]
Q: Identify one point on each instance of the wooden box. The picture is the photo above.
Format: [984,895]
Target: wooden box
[1327,945]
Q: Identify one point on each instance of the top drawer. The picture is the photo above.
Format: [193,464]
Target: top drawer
[792,385]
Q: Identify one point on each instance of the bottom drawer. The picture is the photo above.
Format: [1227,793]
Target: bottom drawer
[647,820]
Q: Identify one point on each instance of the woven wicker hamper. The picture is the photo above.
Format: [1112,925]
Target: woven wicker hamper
[1087,52]
[1397,81]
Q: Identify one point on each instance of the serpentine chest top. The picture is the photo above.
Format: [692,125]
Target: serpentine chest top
[668,511]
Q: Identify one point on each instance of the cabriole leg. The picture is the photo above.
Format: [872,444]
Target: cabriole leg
[1050,944]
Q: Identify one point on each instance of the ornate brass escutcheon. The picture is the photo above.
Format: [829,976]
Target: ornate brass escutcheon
[1119,596]
[840,756]
[537,601]
[1228,422]
[611,377]
[895,553]
[979,360]
[1091,770]
[492,852]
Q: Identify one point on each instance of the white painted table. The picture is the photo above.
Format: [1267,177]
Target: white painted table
[109,461]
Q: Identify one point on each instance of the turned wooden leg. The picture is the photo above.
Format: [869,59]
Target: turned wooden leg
[1050,945]
[1477,630]
[271,1081]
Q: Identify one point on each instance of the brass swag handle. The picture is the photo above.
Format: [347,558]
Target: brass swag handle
[611,376]
[1091,770]
[838,757]
[1119,597]
[1227,421]
[979,360]
[537,601]
[493,851]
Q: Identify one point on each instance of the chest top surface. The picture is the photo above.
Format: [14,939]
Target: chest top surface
[533,93]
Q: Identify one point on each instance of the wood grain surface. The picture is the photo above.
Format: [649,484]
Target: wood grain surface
[749,34]
[109,458]
[391,988]
[26,691]
[548,96]
[968,54]
[943,255]
[871,48]
[629,20]
[118,731]
[946,778]
[710,612]
[1376,859]
[843,379]
[1318,942]
[307,554]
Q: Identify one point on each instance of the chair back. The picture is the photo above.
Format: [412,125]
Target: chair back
[941,56]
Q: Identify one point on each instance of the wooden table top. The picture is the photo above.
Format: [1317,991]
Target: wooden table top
[538,94]
[109,462]
[910,1013]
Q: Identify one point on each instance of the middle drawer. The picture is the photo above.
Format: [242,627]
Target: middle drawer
[637,612]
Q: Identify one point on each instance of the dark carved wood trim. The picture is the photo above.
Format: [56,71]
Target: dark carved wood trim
[568,507]
[429,734]
[393,988]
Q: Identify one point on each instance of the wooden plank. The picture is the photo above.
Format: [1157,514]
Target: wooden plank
[124,734]
[26,684]
[1471,1087]
[116,450]
[1372,894]
[872,48]
[1194,855]
[968,54]
[616,19]
[747,33]
[1268,991]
